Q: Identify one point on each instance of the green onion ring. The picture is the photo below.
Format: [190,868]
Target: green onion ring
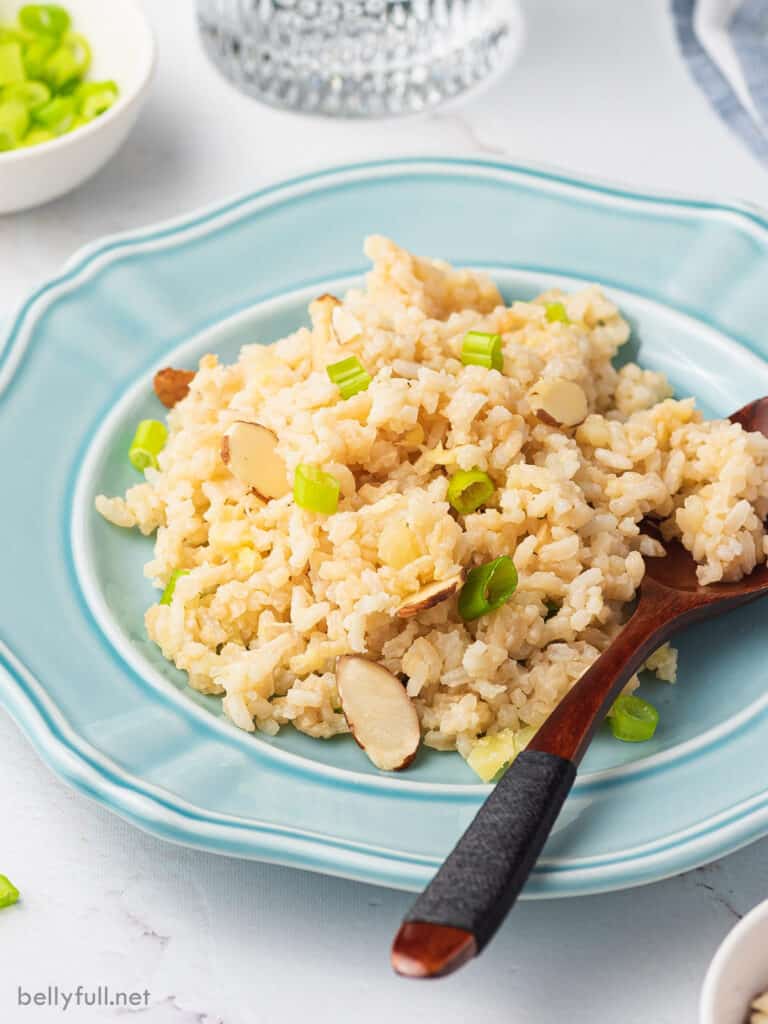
[469,489]
[480,349]
[349,375]
[148,441]
[487,588]
[170,586]
[633,719]
[315,490]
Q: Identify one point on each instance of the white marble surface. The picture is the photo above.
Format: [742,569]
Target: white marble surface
[599,90]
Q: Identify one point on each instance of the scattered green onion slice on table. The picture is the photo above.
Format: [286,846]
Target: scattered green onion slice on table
[315,490]
[44,19]
[469,489]
[170,586]
[349,375]
[633,719]
[9,894]
[480,349]
[11,63]
[148,441]
[556,313]
[487,588]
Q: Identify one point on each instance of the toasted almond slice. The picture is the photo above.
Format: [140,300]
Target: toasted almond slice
[346,326]
[378,711]
[172,385]
[559,402]
[321,310]
[250,451]
[429,596]
[324,342]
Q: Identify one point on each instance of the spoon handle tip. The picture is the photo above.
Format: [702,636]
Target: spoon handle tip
[474,889]
[424,950]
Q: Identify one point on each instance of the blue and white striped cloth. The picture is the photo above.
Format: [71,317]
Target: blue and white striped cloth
[725,45]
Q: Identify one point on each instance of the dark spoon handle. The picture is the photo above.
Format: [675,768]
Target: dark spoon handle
[481,879]
[478,884]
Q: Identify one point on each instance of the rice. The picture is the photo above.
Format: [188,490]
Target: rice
[274,594]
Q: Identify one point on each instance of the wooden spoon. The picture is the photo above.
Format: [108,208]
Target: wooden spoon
[460,910]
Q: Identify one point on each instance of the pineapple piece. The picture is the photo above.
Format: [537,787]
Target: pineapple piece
[491,754]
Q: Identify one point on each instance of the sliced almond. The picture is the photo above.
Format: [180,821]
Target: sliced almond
[324,343]
[172,385]
[321,310]
[346,326]
[429,596]
[378,711]
[559,402]
[250,451]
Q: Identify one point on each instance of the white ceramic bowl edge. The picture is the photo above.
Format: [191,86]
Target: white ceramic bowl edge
[738,972]
[123,50]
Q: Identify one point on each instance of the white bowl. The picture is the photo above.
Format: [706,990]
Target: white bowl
[123,50]
[739,971]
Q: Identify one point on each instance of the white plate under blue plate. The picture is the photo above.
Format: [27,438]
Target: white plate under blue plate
[113,718]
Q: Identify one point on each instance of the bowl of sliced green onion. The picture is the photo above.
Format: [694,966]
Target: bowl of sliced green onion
[73,78]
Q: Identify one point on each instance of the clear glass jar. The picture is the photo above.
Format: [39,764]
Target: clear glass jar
[358,58]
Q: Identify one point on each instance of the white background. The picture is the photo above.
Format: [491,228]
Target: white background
[598,90]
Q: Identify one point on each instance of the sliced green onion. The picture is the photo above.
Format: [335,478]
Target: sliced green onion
[487,588]
[9,894]
[58,116]
[148,441]
[42,66]
[9,34]
[94,98]
[11,64]
[32,94]
[36,53]
[14,122]
[69,62]
[556,313]
[633,719]
[349,375]
[37,136]
[469,489]
[315,490]
[479,349]
[44,18]
[170,586]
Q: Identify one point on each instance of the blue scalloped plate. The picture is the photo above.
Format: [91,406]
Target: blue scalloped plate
[111,717]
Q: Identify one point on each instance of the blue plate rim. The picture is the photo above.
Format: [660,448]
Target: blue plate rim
[146,805]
